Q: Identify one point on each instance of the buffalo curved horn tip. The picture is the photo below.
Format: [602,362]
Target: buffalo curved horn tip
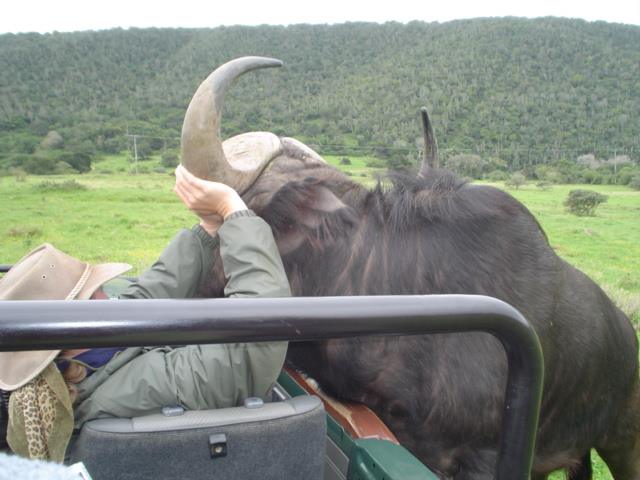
[202,152]
[430,154]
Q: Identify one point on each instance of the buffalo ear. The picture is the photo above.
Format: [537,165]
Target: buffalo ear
[307,212]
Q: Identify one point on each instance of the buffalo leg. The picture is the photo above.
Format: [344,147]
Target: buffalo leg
[621,449]
[582,471]
[624,464]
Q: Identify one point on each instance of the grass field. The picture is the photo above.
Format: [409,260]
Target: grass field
[120,216]
[606,246]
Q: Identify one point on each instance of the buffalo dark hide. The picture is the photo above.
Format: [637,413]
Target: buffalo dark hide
[442,394]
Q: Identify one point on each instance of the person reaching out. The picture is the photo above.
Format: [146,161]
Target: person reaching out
[136,381]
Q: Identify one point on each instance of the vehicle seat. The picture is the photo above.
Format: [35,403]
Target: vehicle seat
[276,440]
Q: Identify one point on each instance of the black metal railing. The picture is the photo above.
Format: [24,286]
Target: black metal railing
[77,324]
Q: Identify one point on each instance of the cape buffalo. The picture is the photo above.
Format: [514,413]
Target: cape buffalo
[432,233]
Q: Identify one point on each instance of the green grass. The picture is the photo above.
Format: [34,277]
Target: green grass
[605,246]
[123,163]
[126,217]
[122,217]
[358,170]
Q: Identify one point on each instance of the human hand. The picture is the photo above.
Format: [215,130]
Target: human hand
[211,201]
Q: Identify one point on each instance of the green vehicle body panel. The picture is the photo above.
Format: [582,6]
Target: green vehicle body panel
[369,459]
[382,460]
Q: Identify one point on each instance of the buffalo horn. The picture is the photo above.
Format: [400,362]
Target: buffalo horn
[430,154]
[202,152]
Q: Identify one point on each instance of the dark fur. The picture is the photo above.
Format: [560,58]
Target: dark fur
[442,394]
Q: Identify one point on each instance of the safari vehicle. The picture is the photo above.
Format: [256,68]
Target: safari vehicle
[302,433]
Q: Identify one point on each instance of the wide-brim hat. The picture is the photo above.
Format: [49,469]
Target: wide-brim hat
[46,273]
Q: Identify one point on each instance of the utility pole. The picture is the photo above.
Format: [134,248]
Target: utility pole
[135,152]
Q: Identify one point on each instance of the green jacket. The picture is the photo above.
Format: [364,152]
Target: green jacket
[140,380]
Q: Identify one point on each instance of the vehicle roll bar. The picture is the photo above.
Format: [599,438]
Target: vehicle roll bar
[45,325]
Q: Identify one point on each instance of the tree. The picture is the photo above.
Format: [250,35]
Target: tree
[584,202]
[547,174]
[467,165]
[79,160]
[25,144]
[617,161]
[496,164]
[589,160]
[52,140]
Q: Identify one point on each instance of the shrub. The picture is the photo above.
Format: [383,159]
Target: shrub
[23,232]
[345,161]
[542,185]
[375,163]
[66,186]
[635,182]
[624,175]
[570,172]
[39,165]
[19,174]
[584,202]
[63,168]
[592,177]
[79,160]
[498,176]
[548,174]
[516,180]
[53,140]
[399,162]
[114,145]
[169,160]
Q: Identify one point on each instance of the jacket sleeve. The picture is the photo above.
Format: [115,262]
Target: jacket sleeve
[253,268]
[180,270]
[250,258]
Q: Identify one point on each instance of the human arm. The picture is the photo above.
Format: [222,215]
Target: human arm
[250,258]
[180,270]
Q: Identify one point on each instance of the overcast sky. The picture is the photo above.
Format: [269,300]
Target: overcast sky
[73,15]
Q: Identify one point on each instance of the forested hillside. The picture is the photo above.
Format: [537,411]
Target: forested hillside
[524,91]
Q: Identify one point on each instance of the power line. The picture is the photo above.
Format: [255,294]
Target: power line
[519,152]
